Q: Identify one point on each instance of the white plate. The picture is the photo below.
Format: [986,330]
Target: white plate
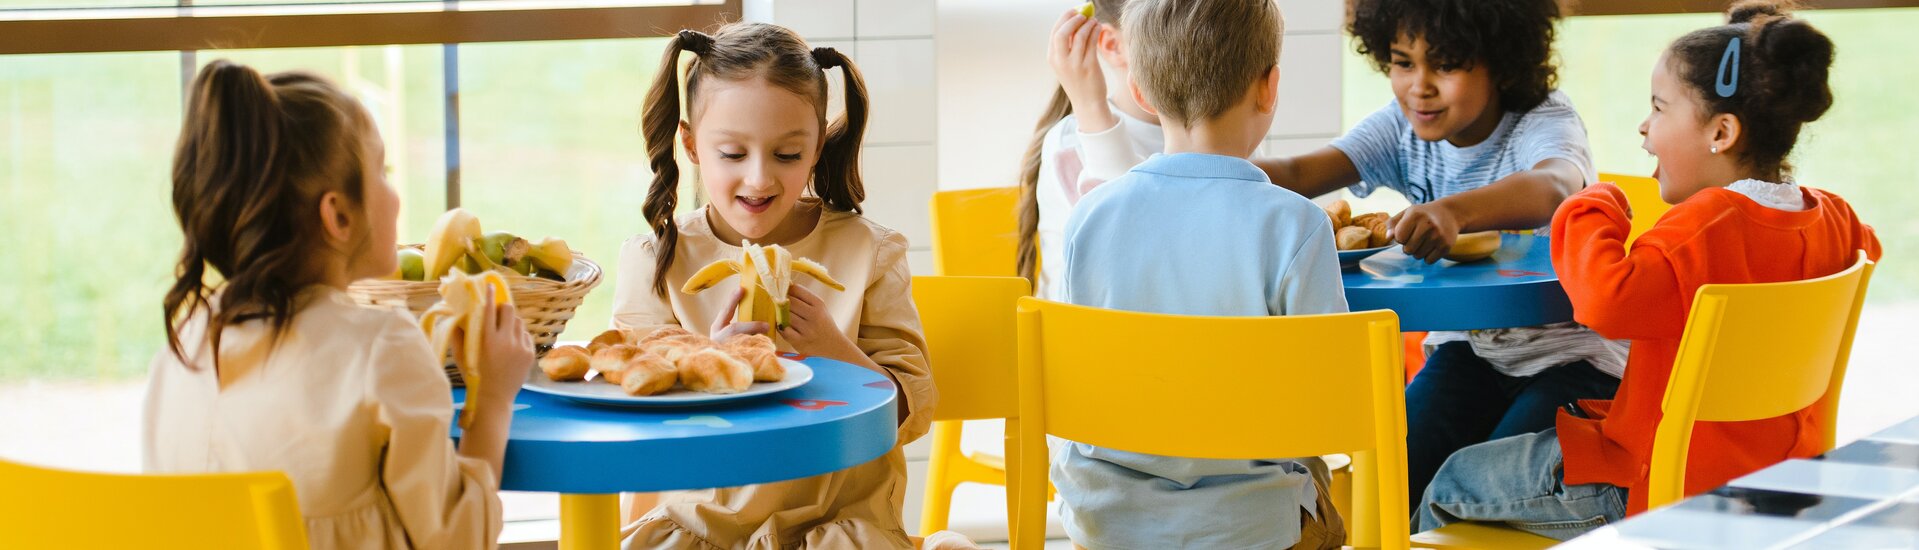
[592,390]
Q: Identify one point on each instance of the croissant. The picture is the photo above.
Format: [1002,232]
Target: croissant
[713,371]
[1353,237]
[1341,213]
[765,362]
[648,374]
[1375,222]
[611,361]
[675,347]
[664,332]
[612,337]
[566,364]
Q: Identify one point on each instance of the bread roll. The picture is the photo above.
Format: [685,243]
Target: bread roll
[1341,213]
[648,374]
[609,338]
[566,364]
[765,362]
[1353,237]
[664,332]
[713,371]
[675,347]
[611,361]
[1375,222]
[1473,247]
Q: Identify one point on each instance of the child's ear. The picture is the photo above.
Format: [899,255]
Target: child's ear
[1140,98]
[1269,91]
[1726,131]
[1110,48]
[686,140]
[336,219]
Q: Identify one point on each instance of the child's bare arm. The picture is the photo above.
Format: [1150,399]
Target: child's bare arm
[1522,200]
[1312,174]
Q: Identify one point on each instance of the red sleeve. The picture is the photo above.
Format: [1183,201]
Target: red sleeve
[1616,293]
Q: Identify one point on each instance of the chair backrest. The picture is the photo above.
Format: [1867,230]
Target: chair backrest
[1221,387]
[1756,351]
[976,232]
[50,508]
[971,343]
[1642,193]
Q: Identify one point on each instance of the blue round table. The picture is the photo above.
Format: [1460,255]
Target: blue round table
[1514,288]
[844,417]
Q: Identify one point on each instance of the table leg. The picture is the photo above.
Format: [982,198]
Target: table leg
[589,522]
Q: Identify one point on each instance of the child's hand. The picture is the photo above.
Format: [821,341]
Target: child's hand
[723,326]
[1426,230]
[1074,54]
[506,352]
[811,330]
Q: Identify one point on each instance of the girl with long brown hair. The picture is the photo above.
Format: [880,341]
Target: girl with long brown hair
[774,171]
[279,186]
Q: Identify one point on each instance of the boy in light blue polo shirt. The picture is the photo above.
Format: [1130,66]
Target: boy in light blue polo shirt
[1199,231]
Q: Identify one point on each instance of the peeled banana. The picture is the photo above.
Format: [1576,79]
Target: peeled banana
[461,316]
[766,273]
[452,238]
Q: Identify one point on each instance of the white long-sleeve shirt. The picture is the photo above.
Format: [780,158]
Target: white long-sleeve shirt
[1073,164]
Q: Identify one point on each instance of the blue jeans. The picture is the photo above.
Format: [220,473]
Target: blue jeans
[1459,399]
[1518,481]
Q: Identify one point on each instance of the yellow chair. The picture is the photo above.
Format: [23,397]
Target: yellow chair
[50,508]
[1216,387]
[1756,351]
[970,341]
[1642,193]
[1779,347]
[975,233]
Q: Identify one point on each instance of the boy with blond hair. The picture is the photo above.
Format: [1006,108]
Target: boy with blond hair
[1199,230]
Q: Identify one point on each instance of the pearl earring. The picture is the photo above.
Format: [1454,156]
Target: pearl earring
[1715,149]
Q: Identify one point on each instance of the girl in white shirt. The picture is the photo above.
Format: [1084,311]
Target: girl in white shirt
[1092,132]
[279,186]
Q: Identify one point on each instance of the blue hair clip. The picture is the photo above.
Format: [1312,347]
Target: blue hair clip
[1726,84]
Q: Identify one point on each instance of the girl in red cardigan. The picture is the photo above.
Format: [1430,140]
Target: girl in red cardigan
[1727,106]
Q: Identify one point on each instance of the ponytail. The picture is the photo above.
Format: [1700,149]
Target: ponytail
[1028,254]
[254,156]
[836,179]
[660,124]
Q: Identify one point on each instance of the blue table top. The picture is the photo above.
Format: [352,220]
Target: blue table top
[1514,288]
[844,417]
[1864,494]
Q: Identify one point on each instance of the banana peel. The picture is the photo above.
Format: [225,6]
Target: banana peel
[458,323]
[452,238]
[766,274]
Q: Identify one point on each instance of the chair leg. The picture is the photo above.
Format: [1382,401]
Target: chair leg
[936,509]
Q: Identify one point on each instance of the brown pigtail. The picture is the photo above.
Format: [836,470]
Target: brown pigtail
[660,124]
[1028,258]
[836,179]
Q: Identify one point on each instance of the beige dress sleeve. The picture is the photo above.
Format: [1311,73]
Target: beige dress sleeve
[442,499]
[889,333]
[636,307]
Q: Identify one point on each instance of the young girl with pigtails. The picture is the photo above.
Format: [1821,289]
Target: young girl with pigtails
[775,171]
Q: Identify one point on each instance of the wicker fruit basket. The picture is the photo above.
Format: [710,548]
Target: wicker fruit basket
[544,305]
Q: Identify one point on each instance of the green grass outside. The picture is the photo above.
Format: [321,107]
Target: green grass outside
[551,147]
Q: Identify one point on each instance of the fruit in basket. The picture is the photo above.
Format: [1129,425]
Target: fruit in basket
[452,238]
[459,322]
[1473,247]
[503,248]
[412,265]
[766,272]
[552,255]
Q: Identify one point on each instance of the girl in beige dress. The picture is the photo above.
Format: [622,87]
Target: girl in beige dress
[774,172]
[279,186]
